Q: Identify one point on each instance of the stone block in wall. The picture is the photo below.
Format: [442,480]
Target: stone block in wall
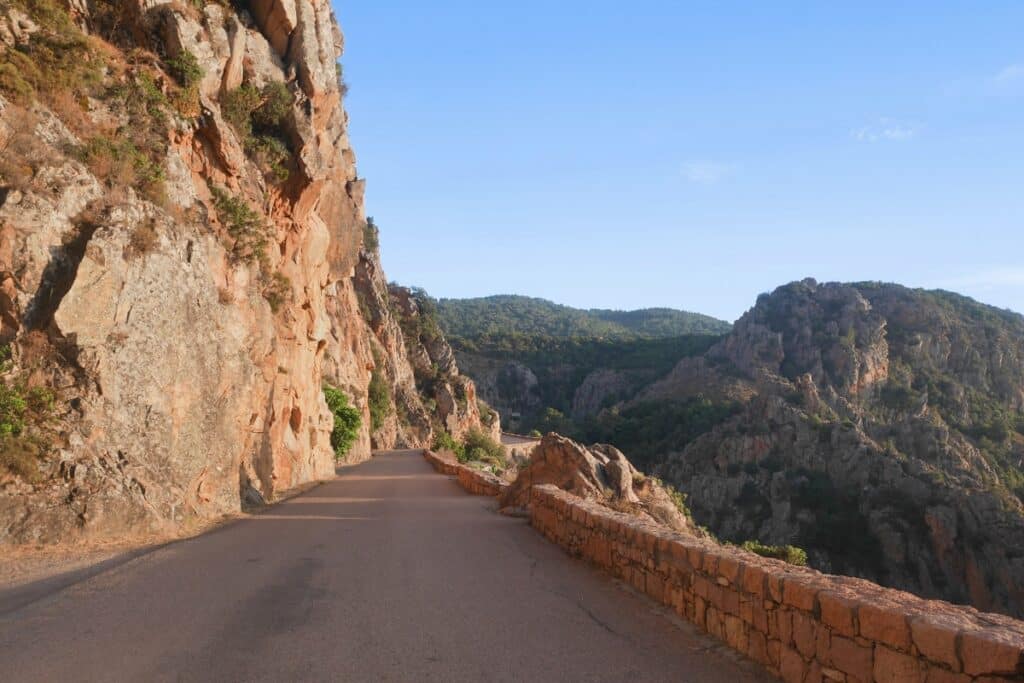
[895,667]
[885,623]
[852,658]
[991,652]
[936,675]
[799,623]
[805,634]
[935,637]
[799,593]
[838,612]
[792,666]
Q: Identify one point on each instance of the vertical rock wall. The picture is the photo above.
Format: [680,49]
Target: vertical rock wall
[187,380]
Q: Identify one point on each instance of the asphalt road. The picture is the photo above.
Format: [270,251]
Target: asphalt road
[389,573]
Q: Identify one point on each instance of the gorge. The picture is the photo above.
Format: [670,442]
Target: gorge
[196,325]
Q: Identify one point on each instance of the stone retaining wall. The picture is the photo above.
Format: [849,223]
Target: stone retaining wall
[802,625]
[518,446]
[472,480]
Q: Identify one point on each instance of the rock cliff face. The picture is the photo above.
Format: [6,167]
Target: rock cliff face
[882,431]
[183,265]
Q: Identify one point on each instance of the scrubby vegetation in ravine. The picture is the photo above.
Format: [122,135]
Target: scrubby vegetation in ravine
[878,428]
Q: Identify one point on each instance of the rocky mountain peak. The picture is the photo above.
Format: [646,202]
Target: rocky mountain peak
[881,415]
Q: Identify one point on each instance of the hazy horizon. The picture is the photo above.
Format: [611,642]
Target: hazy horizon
[603,156]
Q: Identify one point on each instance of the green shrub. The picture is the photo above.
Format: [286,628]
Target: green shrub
[371,235]
[272,155]
[21,455]
[346,421]
[12,78]
[481,450]
[342,85]
[258,116]
[536,434]
[679,500]
[22,411]
[446,442]
[185,68]
[277,291]
[787,553]
[244,225]
[237,107]
[380,400]
[13,406]
[57,61]
[478,442]
[488,415]
[120,163]
[275,102]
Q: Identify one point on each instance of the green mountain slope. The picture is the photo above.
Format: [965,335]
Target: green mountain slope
[519,315]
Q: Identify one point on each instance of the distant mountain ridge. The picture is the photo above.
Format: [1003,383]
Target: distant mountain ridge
[520,315]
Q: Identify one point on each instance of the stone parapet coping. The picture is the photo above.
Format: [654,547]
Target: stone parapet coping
[472,480]
[804,626]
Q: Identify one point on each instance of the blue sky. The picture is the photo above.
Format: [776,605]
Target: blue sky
[690,154]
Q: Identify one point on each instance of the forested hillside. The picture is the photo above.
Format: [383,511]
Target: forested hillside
[549,367]
[479,320]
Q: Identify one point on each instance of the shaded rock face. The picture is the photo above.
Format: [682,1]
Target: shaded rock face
[510,386]
[881,432]
[600,473]
[597,388]
[186,378]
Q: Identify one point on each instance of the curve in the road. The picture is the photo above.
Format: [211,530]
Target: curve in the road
[389,573]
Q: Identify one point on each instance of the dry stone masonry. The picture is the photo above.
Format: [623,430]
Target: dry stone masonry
[805,626]
[472,480]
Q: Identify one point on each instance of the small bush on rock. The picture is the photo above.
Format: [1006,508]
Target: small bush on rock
[380,400]
[244,225]
[346,421]
[185,68]
[371,235]
[481,449]
[259,116]
[446,442]
[23,411]
[787,553]
[277,291]
[478,441]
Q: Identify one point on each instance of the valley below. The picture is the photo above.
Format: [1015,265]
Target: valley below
[878,428]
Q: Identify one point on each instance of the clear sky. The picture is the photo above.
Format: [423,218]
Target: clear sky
[690,154]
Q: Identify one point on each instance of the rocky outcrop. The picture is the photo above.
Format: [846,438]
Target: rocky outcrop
[174,294]
[598,388]
[600,473]
[881,431]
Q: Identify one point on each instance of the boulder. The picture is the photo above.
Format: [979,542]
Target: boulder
[599,473]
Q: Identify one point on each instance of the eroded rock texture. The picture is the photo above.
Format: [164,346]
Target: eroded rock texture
[184,340]
[600,473]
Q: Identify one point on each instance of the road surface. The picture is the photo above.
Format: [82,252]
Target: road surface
[516,440]
[389,573]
